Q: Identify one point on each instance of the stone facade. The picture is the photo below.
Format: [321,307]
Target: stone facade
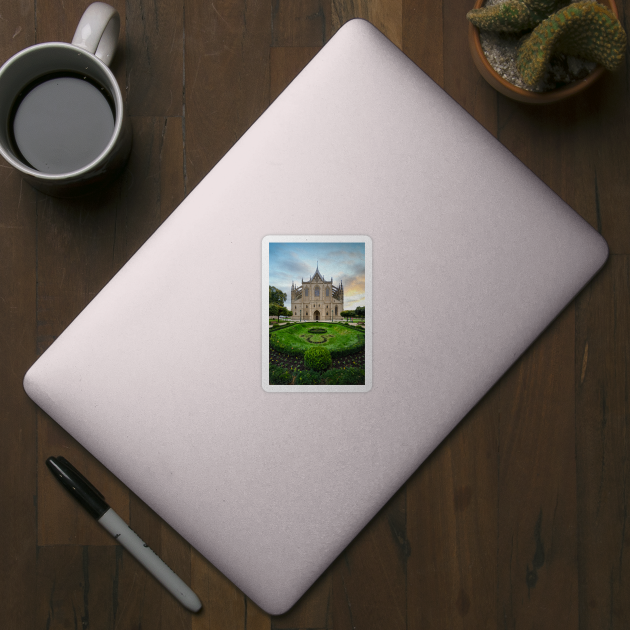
[317,299]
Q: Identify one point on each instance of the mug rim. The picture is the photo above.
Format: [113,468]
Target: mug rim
[118,122]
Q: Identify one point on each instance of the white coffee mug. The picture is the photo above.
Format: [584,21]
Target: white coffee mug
[90,140]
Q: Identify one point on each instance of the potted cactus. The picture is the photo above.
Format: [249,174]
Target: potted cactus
[558,49]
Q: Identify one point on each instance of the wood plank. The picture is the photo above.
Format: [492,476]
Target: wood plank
[300,22]
[226,78]
[369,577]
[76,587]
[154,57]
[452,526]
[386,15]
[285,64]
[17,28]
[603,467]
[256,618]
[608,126]
[423,36]
[18,421]
[537,537]
[18,415]
[462,80]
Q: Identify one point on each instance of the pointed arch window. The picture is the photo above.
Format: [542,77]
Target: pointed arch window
[316,291]
[327,292]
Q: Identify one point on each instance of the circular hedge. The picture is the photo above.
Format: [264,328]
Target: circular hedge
[317,331]
[339,339]
[317,359]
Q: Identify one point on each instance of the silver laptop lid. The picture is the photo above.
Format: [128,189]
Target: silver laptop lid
[160,377]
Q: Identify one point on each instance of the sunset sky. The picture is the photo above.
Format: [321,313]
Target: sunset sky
[290,262]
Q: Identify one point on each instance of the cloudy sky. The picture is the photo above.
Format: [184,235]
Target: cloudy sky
[290,262]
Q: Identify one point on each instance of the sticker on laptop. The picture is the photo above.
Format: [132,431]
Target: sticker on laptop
[317,313]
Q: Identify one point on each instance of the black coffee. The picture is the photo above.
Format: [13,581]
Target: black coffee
[61,123]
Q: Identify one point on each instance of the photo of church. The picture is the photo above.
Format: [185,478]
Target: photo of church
[316,313]
[317,299]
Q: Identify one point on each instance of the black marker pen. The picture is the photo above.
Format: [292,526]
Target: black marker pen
[94,502]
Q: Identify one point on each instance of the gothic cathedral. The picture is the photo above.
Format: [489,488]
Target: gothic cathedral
[317,299]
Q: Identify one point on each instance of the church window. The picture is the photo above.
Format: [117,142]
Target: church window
[335,310]
[316,291]
[306,292]
[327,291]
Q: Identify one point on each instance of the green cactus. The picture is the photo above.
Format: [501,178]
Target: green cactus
[584,29]
[513,16]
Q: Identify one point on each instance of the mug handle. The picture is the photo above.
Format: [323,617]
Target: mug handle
[98,30]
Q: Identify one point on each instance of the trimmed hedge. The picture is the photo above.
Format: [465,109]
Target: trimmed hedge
[274,344]
[351,327]
[281,326]
[318,359]
[278,346]
[335,376]
[280,375]
[344,376]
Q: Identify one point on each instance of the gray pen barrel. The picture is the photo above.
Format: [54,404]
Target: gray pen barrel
[149,559]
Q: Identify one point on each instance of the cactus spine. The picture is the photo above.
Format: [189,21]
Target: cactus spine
[513,16]
[583,29]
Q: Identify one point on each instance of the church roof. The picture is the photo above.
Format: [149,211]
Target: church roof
[317,275]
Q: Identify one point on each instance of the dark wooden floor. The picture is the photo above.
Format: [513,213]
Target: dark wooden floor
[518,520]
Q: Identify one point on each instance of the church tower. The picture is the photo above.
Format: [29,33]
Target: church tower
[317,299]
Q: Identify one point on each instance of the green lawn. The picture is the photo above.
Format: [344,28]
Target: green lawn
[296,339]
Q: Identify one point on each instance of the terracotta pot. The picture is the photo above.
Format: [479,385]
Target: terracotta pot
[518,94]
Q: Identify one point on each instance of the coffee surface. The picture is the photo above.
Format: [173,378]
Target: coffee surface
[62,124]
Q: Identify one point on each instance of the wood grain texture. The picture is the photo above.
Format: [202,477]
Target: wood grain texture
[18,416]
[300,22]
[226,78]
[422,36]
[452,516]
[76,587]
[154,58]
[537,510]
[461,79]
[386,15]
[519,519]
[369,577]
[602,380]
